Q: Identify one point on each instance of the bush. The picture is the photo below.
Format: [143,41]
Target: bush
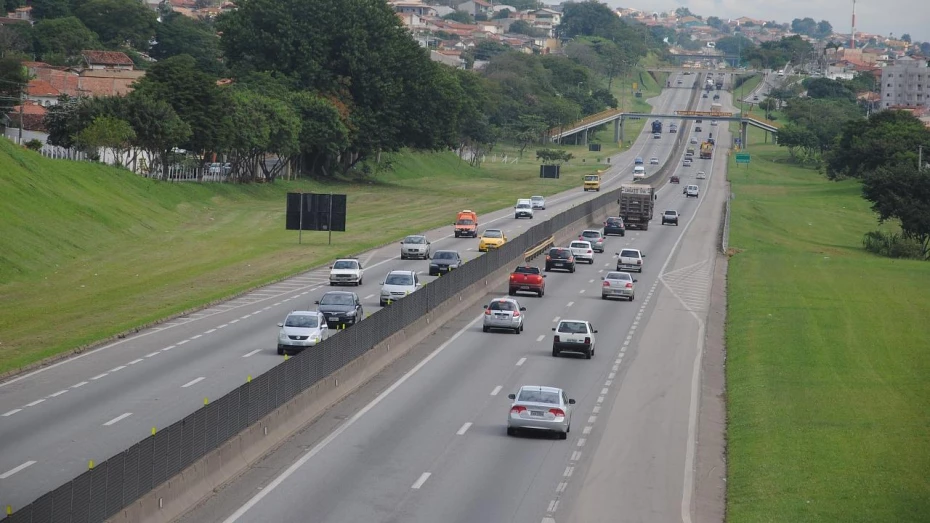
[892,245]
[34,144]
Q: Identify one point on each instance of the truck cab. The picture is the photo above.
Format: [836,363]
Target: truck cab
[466,224]
[639,172]
[592,182]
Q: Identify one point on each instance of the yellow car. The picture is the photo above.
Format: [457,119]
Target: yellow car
[592,182]
[491,239]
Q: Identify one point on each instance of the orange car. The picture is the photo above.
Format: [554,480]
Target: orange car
[466,224]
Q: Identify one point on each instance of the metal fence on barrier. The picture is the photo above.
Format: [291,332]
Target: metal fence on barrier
[115,483]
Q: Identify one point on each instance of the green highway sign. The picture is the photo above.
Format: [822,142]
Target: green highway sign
[742,157]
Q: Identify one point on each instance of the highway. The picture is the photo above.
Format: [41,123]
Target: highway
[90,407]
[428,443]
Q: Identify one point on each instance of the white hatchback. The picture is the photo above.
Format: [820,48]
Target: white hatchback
[301,329]
[582,251]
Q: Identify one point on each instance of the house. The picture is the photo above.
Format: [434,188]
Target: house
[42,93]
[107,60]
[33,117]
[450,58]
[690,21]
[21,13]
[84,82]
[476,8]
[413,7]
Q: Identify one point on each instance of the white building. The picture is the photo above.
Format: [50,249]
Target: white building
[906,83]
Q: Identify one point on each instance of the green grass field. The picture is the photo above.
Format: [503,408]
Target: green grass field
[827,356]
[88,251]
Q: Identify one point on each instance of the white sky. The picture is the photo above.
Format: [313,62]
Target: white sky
[872,16]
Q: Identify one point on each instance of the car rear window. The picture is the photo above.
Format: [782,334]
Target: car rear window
[591,234]
[502,305]
[581,245]
[614,221]
[559,254]
[618,276]
[670,213]
[573,327]
[626,253]
[539,396]
[493,233]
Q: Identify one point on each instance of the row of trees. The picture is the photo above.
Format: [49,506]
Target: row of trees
[774,54]
[327,85]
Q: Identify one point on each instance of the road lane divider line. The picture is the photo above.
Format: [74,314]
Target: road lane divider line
[117,369]
[19,468]
[521,361]
[557,318]
[210,331]
[81,384]
[541,337]
[152,354]
[569,304]
[11,412]
[596,409]
[576,455]
[587,430]
[133,362]
[254,352]
[34,403]
[581,291]
[193,382]
[604,391]
[592,419]
[496,390]
[561,488]
[98,376]
[419,483]
[59,393]
[196,336]
[464,429]
[117,419]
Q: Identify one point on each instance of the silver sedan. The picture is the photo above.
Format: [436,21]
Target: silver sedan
[618,285]
[414,246]
[504,314]
[537,408]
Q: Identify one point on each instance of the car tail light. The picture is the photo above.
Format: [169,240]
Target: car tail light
[517,409]
[629,285]
[587,341]
[548,257]
[516,314]
[559,413]
[639,262]
[606,283]
[589,251]
[556,339]
[513,276]
[487,312]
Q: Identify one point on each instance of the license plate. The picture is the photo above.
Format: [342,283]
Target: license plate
[536,413]
[559,264]
[524,287]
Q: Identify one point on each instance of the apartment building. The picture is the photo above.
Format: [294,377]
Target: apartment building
[906,83]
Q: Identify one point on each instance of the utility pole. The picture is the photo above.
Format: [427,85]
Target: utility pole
[22,102]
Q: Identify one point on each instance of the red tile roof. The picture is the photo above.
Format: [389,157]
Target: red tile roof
[109,58]
[33,116]
[39,87]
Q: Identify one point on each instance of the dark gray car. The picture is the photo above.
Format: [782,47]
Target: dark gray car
[340,308]
[443,262]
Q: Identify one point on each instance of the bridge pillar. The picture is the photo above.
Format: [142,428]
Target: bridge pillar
[584,137]
[744,134]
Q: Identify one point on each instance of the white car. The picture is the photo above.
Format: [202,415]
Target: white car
[504,314]
[713,122]
[523,209]
[691,190]
[415,246]
[701,175]
[574,336]
[630,260]
[301,329]
[686,162]
[654,161]
[639,172]
[398,284]
[536,408]
[582,251]
[538,202]
[346,270]
[694,140]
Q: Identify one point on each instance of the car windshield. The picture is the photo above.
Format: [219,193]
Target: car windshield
[539,396]
[444,255]
[414,239]
[304,321]
[337,299]
[618,276]
[345,264]
[493,233]
[590,178]
[573,327]
[559,253]
[627,253]
[399,279]
[465,221]
[502,305]
[523,205]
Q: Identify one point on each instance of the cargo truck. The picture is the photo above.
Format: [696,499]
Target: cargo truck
[636,203]
[716,107]
[707,151]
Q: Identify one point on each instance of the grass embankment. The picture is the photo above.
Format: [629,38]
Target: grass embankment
[827,356]
[88,251]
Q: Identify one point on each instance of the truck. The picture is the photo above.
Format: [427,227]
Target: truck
[526,278]
[466,224]
[636,203]
[656,126]
[707,150]
[672,128]
[592,182]
[716,107]
[719,84]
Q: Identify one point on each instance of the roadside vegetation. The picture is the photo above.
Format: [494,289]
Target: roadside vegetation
[89,251]
[827,359]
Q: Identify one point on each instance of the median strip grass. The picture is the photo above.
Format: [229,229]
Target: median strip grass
[88,251]
[827,356]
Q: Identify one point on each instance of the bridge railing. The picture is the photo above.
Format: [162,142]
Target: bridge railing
[587,120]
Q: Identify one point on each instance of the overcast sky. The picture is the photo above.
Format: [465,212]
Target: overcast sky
[872,16]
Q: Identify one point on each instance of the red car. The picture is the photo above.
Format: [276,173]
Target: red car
[674,179]
[526,278]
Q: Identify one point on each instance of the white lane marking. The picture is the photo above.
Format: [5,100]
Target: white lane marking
[117,419]
[117,369]
[592,419]
[10,413]
[587,430]
[14,470]
[34,403]
[611,375]
[182,342]
[345,426]
[608,383]
[600,270]
[600,399]
[423,477]
[561,488]
[576,455]
[245,317]
[596,409]
[59,393]
[541,337]
[590,281]
[581,291]
[233,321]
[569,304]
[254,352]
[604,390]
[209,331]
[370,296]
[582,441]
[195,337]
[557,318]
[133,362]
[521,361]
[464,429]
[193,382]
[152,355]
[552,506]
[81,384]
[496,390]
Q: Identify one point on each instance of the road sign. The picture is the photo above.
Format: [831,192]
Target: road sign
[742,157]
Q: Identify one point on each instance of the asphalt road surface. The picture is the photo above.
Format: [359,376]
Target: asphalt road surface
[90,407]
[429,444]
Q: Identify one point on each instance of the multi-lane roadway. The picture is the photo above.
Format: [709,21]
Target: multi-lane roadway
[54,420]
[431,444]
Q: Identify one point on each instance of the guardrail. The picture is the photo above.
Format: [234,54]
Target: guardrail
[535,251]
[125,477]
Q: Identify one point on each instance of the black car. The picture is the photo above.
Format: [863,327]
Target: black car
[614,225]
[697,128]
[340,308]
[444,261]
[560,258]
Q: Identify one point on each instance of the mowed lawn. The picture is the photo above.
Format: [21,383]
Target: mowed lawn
[828,357]
[88,251]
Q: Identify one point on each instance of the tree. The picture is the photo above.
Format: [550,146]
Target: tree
[323,133]
[118,22]
[106,132]
[158,128]
[901,192]
[801,142]
[825,88]
[736,44]
[806,26]
[825,119]
[529,129]
[682,12]
[553,156]
[824,29]
[178,34]
[13,80]
[768,105]
[15,39]
[886,139]
[461,17]
[524,28]
[48,9]
[925,48]
[62,39]
[715,22]
[263,125]
[906,37]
